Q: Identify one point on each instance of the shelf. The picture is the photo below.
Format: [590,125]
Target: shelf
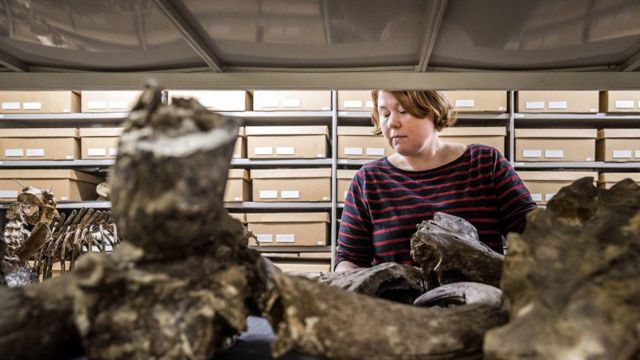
[253,118]
[62,120]
[249,163]
[599,120]
[278,205]
[55,163]
[359,118]
[290,249]
[72,204]
[354,162]
[597,165]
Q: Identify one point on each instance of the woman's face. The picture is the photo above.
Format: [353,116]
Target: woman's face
[405,133]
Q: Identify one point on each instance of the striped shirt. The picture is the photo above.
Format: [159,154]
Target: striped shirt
[384,204]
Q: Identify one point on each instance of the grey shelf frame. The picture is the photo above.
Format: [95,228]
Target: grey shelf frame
[251,205]
[595,165]
[291,249]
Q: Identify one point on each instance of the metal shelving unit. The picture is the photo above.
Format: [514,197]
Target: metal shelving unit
[66,164]
[290,249]
[594,165]
[250,205]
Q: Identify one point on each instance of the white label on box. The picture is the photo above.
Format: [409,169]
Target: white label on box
[69,157]
[290,194]
[96,105]
[237,198]
[501,108]
[325,198]
[97,152]
[345,194]
[64,198]
[291,103]
[36,105]
[319,155]
[118,104]
[557,104]
[13,152]
[593,110]
[554,154]
[534,105]
[66,110]
[113,151]
[536,197]
[532,153]
[369,104]
[375,151]
[625,104]
[637,153]
[548,197]
[622,154]
[261,238]
[269,103]
[8,194]
[263,150]
[35,152]
[285,150]
[465,103]
[353,151]
[285,238]
[10,106]
[268,194]
[351,104]
[208,102]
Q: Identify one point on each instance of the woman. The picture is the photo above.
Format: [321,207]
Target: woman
[390,196]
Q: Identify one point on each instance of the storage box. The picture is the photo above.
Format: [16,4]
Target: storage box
[99,143]
[558,101]
[478,101]
[618,145]
[108,101]
[289,229]
[620,101]
[359,142]
[302,267]
[607,180]
[355,100]
[555,144]
[12,102]
[291,185]
[66,184]
[287,142]
[345,177]
[217,100]
[237,186]
[278,100]
[492,136]
[242,217]
[240,149]
[543,185]
[39,144]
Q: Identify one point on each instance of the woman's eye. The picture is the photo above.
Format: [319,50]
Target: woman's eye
[384,115]
[401,112]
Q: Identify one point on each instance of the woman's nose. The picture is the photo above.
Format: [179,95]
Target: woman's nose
[393,121]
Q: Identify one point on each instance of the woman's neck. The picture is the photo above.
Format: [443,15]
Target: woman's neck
[431,157]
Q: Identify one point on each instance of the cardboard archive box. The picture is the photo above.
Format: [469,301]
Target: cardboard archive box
[620,101]
[240,149]
[217,100]
[29,102]
[618,145]
[39,144]
[543,185]
[291,185]
[478,101]
[242,217]
[287,142]
[355,100]
[359,142]
[108,101]
[237,186]
[558,101]
[288,229]
[492,136]
[67,185]
[278,100]
[344,182]
[555,144]
[99,143]
[607,180]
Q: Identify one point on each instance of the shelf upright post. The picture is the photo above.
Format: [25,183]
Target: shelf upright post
[334,174]
[511,127]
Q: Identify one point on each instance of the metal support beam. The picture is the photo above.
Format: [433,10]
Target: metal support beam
[431,33]
[195,35]
[392,80]
[11,62]
[632,63]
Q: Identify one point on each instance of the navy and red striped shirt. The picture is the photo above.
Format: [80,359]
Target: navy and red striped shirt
[384,204]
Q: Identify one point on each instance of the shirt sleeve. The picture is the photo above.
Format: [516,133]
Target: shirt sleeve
[355,242]
[513,197]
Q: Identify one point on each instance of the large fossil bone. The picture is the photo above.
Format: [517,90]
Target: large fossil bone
[572,279]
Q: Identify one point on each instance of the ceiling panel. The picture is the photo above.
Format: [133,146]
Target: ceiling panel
[96,35]
[313,33]
[537,34]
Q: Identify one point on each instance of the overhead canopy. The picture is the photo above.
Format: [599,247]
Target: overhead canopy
[307,36]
